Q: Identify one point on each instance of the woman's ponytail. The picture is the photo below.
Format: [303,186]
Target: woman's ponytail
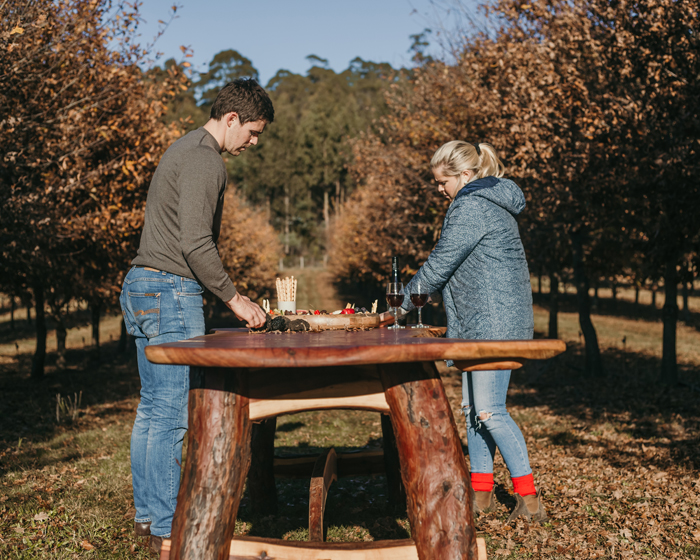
[489,163]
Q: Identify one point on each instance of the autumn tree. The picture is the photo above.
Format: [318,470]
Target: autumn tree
[80,134]
[573,95]
[248,245]
[655,60]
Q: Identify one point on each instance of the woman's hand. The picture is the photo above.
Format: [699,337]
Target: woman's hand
[385,319]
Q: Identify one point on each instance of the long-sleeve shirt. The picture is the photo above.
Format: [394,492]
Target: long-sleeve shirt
[183,214]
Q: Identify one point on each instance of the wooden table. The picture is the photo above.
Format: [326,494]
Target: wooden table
[239,378]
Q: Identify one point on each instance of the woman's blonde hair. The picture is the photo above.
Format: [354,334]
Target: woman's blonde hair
[457,156]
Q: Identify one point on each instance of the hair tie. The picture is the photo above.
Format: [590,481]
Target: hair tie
[476,147]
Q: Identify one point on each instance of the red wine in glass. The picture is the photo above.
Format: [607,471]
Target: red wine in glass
[394,297]
[419,299]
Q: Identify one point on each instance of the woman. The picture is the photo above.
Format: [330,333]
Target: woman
[479,266]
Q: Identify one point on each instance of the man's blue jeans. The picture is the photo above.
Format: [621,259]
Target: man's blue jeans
[489,424]
[159,307]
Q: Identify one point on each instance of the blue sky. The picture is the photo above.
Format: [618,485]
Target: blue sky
[276,34]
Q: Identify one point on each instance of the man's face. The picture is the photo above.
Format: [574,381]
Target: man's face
[240,136]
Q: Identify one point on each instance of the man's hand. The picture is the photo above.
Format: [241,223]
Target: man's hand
[247,311]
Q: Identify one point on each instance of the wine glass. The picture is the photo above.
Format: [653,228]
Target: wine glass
[394,297]
[419,297]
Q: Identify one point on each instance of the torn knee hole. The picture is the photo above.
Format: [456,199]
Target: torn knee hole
[483,415]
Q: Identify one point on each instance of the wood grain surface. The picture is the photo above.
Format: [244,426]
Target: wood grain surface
[239,348]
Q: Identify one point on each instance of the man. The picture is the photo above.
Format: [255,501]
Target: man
[161,297]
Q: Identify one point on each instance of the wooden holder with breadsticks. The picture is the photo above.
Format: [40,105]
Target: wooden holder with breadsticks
[287,294]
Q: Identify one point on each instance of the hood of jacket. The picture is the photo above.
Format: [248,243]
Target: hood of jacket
[502,192]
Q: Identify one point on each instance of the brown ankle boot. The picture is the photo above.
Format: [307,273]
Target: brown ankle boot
[483,502]
[529,507]
[142,529]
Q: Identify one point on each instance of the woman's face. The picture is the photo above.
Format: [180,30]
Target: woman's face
[449,185]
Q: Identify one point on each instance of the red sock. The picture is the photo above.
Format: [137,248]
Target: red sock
[524,485]
[482,482]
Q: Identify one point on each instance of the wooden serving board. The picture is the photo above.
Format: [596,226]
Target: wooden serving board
[339,322]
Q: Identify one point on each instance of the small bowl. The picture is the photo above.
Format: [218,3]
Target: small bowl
[287,306]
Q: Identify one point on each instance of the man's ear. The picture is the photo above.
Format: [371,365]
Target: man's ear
[230,118]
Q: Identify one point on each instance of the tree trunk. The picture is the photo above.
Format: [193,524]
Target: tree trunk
[686,310]
[613,305]
[286,223]
[95,309]
[12,313]
[539,282]
[594,303]
[636,295]
[653,297]
[553,306]
[61,333]
[669,369]
[40,352]
[594,362]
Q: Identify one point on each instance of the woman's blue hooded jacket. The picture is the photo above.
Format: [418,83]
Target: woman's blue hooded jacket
[479,265]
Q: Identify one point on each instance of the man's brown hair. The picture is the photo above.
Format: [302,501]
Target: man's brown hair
[245,97]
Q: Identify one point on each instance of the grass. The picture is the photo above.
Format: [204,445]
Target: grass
[618,458]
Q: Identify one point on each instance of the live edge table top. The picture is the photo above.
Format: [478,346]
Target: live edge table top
[238,348]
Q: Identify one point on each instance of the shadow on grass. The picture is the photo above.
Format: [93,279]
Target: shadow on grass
[356,510]
[617,308]
[654,423]
[28,406]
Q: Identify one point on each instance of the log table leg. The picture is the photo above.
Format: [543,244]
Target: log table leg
[325,472]
[218,457]
[261,477]
[396,493]
[433,467]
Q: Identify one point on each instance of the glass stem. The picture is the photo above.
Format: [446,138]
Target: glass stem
[420,320]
